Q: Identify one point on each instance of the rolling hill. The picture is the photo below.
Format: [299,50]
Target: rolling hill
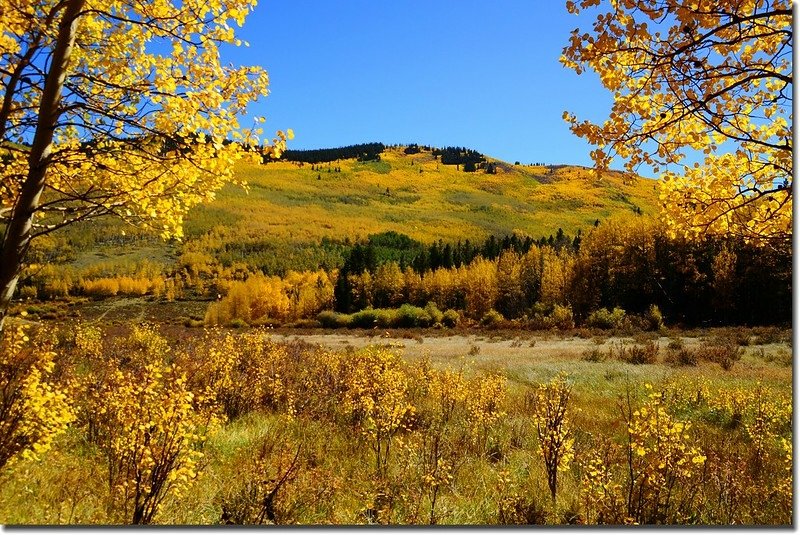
[298,215]
[416,195]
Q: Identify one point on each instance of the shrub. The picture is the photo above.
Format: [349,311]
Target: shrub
[724,354]
[653,318]
[451,318]
[638,353]
[492,319]
[145,424]
[237,323]
[680,355]
[33,410]
[770,335]
[262,481]
[28,292]
[377,397]
[365,319]
[434,313]
[486,399]
[553,429]
[605,319]
[105,287]
[661,455]
[333,320]
[594,355]
[411,316]
[561,317]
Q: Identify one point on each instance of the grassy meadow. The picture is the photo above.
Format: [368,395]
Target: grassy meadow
[412,427]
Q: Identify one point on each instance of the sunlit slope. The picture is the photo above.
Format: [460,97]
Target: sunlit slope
[418,196]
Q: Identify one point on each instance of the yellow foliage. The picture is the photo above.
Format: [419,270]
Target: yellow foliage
[552,426]
[240,373]
[260,298]
[377,397]
[709,83]
[33,409]
[662,455]
[147,422]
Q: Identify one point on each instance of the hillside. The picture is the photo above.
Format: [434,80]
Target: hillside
[300,216]
[416,195]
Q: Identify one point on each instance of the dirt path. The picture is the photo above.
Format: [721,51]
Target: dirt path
[118,305]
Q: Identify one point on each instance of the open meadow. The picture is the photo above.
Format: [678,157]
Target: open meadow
[188,426]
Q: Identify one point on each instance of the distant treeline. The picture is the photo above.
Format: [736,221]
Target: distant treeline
[361,152]
[394,247]
[708,282]
[459,155]
[470,159]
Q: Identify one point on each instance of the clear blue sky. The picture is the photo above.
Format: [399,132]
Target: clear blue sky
[480,74]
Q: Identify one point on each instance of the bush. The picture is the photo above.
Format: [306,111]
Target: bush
[33,410]
[770,335]
[638,354]
[725,354]
[433,312]
[28,292]
[411,316]
[365,319]
[451,318]
[143,418]
[386,317]
[492,319]
[333,320]
[594,355]
[653,318]
[603,319]
[545,316]
[193,323]
[561,317]
[680,355]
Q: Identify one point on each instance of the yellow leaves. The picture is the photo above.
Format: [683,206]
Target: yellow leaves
[186,89]
[485,401]
[660,442]
[143,418]
[35,410]
[680,94]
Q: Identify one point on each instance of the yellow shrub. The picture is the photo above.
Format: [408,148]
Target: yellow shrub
[377,396]
[485,407]
[106,287]
[145,423]
[33,410]
[552,426]
[240,373]
[662,460]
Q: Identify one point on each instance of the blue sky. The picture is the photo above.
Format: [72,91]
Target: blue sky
[479,74]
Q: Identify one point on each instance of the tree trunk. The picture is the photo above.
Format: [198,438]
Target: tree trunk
[18,232]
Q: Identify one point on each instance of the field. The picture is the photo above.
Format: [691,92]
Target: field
[446,428]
